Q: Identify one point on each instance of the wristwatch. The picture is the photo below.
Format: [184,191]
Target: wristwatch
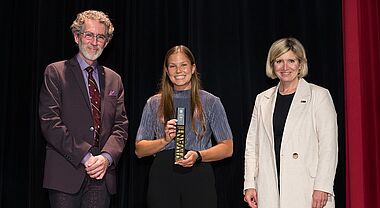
[199,158]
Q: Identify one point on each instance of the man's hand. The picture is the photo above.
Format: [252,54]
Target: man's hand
[96,166]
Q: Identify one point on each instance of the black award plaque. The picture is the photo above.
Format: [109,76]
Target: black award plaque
[180,134]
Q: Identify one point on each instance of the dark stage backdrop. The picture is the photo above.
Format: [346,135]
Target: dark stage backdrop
[230,40]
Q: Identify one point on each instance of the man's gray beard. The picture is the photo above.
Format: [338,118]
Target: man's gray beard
[87,55]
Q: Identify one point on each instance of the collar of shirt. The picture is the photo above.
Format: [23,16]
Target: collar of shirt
[83,65]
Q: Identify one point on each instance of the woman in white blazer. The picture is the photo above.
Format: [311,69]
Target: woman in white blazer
[292,142]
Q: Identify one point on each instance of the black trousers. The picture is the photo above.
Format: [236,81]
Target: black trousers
[93,194]
[173,186]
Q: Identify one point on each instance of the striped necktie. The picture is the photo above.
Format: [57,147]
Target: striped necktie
[95,104]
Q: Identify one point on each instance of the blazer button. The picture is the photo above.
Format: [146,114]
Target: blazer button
[295,155]
[92,128]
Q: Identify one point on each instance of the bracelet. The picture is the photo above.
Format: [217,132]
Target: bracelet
[199,158]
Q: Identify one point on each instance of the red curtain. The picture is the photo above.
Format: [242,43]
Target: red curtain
[361,35]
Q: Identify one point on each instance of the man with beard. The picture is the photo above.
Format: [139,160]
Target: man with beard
[83,120]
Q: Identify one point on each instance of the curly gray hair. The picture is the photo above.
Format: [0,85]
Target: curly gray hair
[77,25]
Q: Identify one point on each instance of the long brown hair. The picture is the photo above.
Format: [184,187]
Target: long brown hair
[166,109]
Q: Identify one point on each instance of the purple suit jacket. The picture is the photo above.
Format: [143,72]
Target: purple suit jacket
[66,123]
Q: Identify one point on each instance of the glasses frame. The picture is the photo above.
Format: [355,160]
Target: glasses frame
[101,38]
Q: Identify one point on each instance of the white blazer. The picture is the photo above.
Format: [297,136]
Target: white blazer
[309,149]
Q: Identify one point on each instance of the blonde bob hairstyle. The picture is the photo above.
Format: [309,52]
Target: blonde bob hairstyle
[282,46]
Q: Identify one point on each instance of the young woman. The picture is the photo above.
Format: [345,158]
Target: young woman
[188,182]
